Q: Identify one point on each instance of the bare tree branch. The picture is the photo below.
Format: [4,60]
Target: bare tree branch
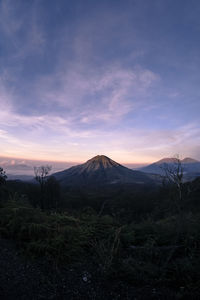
[41,174]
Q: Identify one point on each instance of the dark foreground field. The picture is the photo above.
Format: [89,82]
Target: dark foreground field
[135,245]
[22,278]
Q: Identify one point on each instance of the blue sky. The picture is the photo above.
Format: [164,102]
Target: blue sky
[81,78]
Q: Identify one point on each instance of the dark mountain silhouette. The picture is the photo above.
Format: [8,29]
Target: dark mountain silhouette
[100,170]
[189,165]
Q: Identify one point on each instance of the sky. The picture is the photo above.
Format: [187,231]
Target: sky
[86,77]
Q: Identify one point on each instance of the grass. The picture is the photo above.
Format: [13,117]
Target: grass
[144,253]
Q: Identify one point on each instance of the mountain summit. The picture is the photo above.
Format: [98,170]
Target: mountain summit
[171,160]
[189,160]
[99,170]
[99,162]
[189,165]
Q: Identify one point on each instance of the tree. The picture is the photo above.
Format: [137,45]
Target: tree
[41,174]
[173,174]
[3,176]
[52,193]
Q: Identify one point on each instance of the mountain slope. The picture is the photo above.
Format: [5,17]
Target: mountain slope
[189,165]
[100,170]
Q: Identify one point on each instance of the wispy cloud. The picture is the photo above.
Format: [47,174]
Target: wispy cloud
[79,79]
[19,27]
[105,94]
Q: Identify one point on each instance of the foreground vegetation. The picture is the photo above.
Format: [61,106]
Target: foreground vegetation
[138,237]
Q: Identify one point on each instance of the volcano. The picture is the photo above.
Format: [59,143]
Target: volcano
[100,170]
[189,165]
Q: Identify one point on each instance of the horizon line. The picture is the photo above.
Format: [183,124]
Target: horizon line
[82,161]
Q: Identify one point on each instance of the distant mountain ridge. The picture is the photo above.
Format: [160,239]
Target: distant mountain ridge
[189,165]
[100,170]
[97,170]
[16,167]
[19,168]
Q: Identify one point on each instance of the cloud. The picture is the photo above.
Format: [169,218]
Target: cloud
[7,13]
[105,94]
[89,79]
[20,28]
[54,136]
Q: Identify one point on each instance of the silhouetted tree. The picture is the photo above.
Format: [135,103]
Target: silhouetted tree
[173,174]
[52,193]
[41,174]
[3,176]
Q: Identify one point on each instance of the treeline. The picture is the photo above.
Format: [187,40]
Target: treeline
[123,202]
